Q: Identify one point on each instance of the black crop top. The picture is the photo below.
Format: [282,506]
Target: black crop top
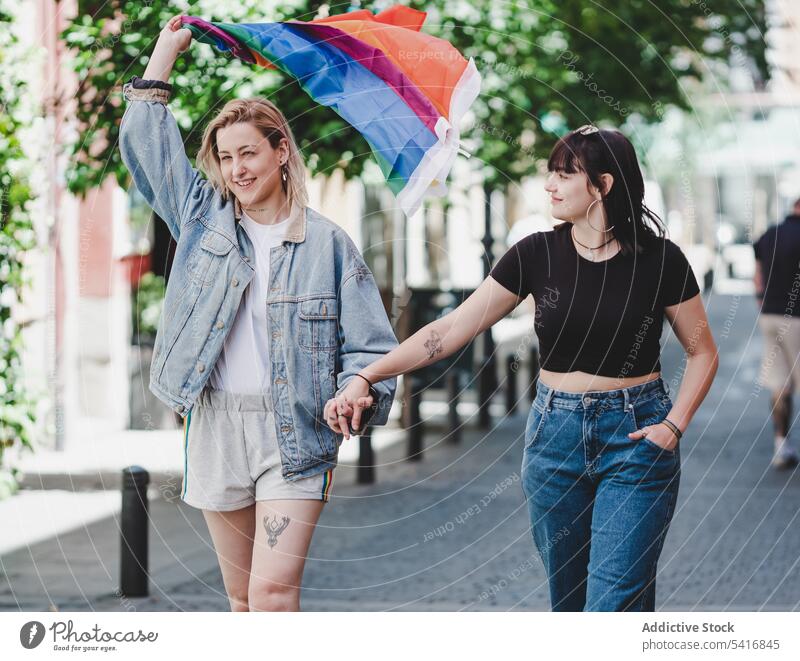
[604,317]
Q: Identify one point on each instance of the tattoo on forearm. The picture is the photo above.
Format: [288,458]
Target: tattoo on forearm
[434,344]
[274,528]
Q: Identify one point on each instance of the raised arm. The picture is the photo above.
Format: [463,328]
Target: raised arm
[172,41]
[149,139]
[439,339]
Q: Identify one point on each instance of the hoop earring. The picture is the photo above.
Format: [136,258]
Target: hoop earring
[590,222]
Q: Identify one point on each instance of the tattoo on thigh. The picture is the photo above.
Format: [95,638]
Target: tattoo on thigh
[274,528]
[434,344]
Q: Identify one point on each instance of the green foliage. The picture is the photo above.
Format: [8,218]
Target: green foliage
[553,65]
[16,236]
[547,65]
[148,301]
[113,41]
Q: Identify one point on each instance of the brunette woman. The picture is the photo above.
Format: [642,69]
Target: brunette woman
[601,463]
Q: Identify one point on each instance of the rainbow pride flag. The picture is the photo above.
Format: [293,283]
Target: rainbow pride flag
[403,90]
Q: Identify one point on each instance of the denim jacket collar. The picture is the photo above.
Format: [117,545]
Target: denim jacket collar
[296,230]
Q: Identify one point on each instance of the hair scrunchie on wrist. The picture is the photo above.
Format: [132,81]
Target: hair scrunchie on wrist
[365,379]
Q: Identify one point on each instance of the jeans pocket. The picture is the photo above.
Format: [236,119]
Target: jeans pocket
[649,413]
[534,424]
[657,447]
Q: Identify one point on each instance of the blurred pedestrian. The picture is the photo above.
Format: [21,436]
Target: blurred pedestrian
[777,285]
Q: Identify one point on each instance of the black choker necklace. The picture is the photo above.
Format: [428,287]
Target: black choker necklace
[589,248]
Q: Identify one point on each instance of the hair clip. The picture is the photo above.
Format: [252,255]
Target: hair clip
[587,129]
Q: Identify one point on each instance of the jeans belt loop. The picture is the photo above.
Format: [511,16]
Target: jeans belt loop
[548,399]
[627,395]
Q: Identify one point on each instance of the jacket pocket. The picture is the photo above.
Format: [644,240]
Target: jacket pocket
[319,323]
[206,259]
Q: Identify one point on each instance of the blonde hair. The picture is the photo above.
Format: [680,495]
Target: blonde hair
[270,121]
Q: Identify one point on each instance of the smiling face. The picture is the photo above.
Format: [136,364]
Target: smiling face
[251,167]
[570,194]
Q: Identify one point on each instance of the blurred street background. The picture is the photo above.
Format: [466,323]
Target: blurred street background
[428,512]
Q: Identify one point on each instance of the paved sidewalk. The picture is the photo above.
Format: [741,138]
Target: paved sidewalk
[451,532]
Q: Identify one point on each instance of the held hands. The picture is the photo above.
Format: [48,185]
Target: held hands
[349,404]
[174,36]
[660,434]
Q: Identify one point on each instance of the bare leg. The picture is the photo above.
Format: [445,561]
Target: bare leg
[781,412]
[232,534]
[785,456]
[283,535]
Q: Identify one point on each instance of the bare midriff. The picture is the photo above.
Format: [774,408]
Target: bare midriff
[585,382]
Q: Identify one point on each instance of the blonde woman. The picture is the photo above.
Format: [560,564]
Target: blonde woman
[270,310]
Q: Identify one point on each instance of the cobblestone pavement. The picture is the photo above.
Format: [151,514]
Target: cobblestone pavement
[451,532]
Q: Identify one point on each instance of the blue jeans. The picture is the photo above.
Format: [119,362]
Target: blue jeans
[600,504]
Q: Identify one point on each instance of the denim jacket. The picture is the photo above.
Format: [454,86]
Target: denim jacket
[325,314]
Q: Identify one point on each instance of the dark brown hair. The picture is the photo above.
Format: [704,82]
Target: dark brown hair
[608,151]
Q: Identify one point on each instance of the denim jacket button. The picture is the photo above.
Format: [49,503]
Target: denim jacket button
[201,368]
[235,282]
[286,428]
[276,334]
[220,324]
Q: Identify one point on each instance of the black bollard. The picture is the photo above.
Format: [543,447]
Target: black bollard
[415,430]
[512,365]
[487,384]
[134,528]
[534,371]
[365,472]
[453,421]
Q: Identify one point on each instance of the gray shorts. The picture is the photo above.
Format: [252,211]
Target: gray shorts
[231,456]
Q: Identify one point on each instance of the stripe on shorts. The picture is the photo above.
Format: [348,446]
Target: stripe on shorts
[327,481]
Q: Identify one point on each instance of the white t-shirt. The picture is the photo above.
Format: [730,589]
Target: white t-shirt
[243,364]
